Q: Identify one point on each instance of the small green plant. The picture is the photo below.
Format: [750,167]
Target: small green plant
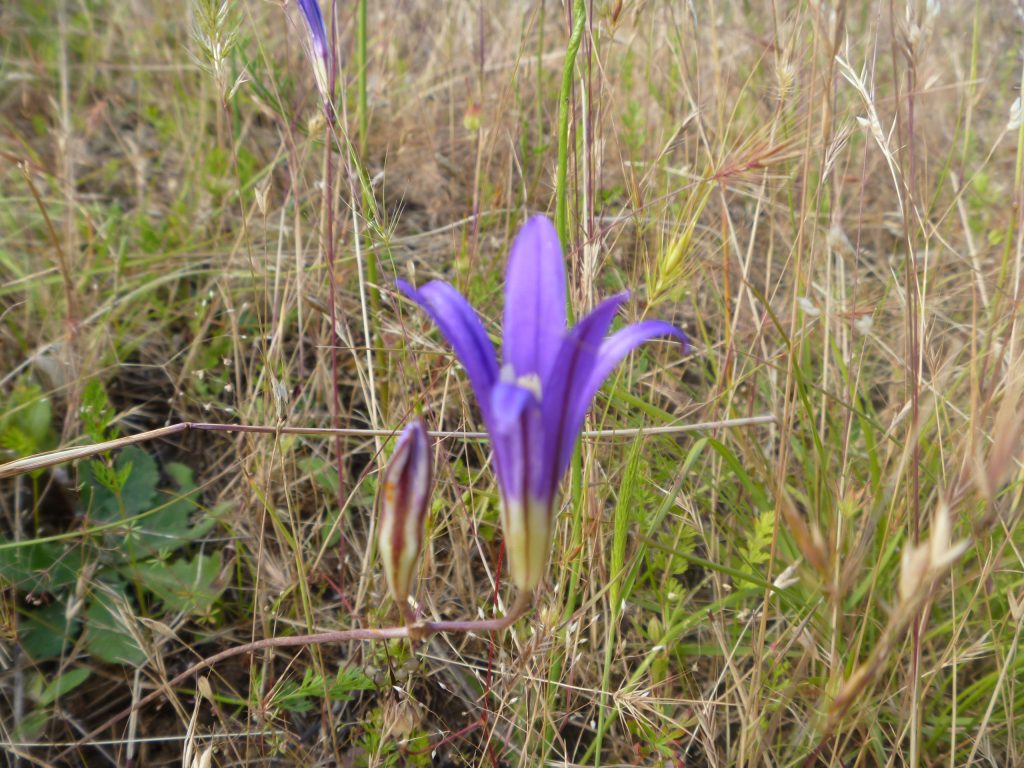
[391,739]
[26,424]
[756,549]
[129,559]
[294,696]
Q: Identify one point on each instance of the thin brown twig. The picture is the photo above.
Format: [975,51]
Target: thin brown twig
[416,632]
[62,455]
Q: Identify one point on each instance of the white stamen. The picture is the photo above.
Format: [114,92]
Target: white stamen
[530,381]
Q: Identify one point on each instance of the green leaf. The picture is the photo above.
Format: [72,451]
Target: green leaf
[106,636]
[293,696]
[757,547]
[322,472]
[64,683]
[132,483]
[169,528]
[36,420]
[27,426]
[331,528]
[33,725]
[184,585]
[96,412]
[184,478]
[44,631]
[134,487]
[15,441]
[39,566]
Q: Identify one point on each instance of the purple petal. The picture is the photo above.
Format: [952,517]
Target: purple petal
[319,50]
[611,353]
[510,435]
[576,359]
[507,404]
[517,436]
[315,23]
[621,343]
[461,326]
[525,517]
[534,299]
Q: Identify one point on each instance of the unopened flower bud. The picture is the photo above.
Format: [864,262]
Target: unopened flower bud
[404,500]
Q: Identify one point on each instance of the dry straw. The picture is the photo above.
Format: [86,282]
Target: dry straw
[64,455]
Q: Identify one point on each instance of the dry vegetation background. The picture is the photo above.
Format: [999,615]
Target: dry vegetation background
[824,194]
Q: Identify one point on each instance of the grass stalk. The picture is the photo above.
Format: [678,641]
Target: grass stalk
[327,212]
[565,108]
[616,594]
[362,106]
[367,266]
[579,20]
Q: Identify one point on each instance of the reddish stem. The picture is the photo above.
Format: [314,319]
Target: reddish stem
[415,631]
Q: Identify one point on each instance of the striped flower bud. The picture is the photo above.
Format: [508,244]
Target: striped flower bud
[404,499]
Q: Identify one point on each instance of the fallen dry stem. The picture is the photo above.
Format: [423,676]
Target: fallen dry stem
[62,455]
[416,632]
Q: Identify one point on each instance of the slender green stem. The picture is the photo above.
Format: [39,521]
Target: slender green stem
[361,106]
[561,192]
[579,18]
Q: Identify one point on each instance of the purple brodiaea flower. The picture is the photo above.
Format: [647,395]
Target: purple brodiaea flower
[533,405]
[318,44]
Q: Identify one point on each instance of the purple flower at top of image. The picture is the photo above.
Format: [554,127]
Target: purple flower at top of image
[534,403]
[319,48]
